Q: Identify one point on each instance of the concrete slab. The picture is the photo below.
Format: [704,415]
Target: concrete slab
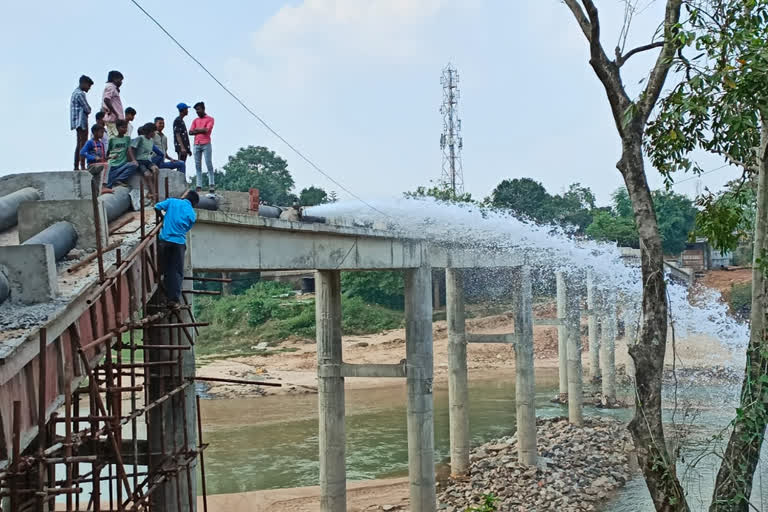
[31,272]
[35,216]
[53,185]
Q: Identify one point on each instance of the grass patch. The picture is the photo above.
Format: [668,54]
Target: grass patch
[741,299]
[269,312]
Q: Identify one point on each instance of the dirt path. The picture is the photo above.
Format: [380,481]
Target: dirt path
[391,493]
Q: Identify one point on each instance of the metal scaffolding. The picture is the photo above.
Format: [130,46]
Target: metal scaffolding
[128,436]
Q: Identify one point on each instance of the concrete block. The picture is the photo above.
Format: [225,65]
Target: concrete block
[35,216]
[53,185]
[31,272]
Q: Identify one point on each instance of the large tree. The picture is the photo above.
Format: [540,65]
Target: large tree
[258,167]
[722,107]
[524,197]
[311,196]
[631,117]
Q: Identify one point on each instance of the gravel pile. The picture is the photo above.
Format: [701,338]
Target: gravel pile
[579,467]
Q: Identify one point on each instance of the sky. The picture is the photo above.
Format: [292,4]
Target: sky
[353,84]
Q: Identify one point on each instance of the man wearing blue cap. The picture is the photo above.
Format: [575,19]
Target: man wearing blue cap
[180,133]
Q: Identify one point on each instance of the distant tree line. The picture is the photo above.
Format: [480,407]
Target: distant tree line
[576,212]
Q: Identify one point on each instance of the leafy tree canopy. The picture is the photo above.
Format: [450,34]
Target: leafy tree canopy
[675,213]
[258,167]
[441,193]
[311,196]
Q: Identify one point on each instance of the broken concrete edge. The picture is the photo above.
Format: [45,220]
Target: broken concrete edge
[30,271]
[35,216]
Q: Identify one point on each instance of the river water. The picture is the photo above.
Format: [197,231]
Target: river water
[271,442]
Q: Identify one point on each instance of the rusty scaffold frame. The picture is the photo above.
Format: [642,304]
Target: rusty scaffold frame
[93,444]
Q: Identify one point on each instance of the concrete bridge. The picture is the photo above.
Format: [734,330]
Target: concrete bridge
[71,330]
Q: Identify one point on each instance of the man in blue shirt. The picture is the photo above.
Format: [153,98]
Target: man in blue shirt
[178,218]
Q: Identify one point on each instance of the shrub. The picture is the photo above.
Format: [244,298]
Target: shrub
[741,299]
[357,317]
[383,288]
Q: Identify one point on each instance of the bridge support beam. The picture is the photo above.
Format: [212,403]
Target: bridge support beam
[172,432]
[592,322]
[525,384]
[458,389]
[330,389]
[419,356]
[608,349]
[575,378]
[562,335]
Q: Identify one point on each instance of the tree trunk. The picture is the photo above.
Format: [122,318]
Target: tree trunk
[734,480]
[648,353]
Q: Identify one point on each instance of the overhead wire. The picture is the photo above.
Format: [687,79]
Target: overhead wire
[701,174]
[254,114]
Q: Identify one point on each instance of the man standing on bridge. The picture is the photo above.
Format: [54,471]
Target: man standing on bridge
[178,218]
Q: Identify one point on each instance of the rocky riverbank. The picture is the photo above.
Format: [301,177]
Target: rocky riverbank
[579,467]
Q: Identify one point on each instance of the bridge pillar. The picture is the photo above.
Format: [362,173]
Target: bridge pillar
[458,391]
[330,389]
[525,384]
[562,335]
[419,368]
[172,425]
[594,339]
[573,343]
[608,348]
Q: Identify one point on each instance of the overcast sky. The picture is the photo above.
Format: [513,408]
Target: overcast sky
[355,84]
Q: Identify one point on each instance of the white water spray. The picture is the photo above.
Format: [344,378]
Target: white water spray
[551,247]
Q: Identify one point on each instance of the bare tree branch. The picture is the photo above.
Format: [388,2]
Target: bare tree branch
[622,59]
[582,20]
[743,165]
[661,69]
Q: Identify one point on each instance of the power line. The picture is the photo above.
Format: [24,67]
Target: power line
[701,174]
[254,114]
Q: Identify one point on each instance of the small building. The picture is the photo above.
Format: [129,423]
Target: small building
[700,256]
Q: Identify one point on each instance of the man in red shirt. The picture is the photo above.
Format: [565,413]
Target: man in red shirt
[201,128]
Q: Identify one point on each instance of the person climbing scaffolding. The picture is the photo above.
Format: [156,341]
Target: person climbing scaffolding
[178,218]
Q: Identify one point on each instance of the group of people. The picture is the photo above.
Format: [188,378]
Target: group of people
[114,156]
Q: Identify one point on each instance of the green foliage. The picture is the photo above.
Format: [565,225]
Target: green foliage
[741,297]
[268,311]
[609,227]
[358,317]
[717,107]
[382,288]
[527,198]
[489,504]
[728,218]
[524,197]
[440,192]
[258,167]
[311,196]
[255,306]
[676,216]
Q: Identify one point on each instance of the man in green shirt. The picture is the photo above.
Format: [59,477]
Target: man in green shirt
[143,148]
[122,163]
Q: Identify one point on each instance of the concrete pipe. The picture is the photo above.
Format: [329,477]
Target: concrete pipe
[5,288]
[273,212]
[9,206]
[116,203]
[62,236]
[208,202]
